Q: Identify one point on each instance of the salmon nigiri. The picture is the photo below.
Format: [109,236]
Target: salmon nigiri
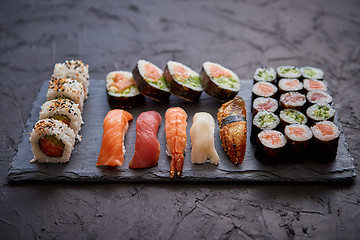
[175,130]
[147,146]
[116,124]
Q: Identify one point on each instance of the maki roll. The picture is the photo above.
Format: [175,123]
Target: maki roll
[73,69]
[312,84]
[311,72]
[270,147]
[291,116]
[326,140]
[264,89]
[64,110]
[293,100]
[264,104]
[52,141]
[288,72]
[267,74]
[150,81]
[263,120]
[298,137]
[121,90]
[320,112]
[219,82]
[183,82]
[66,88]
[317,96]
[290,85]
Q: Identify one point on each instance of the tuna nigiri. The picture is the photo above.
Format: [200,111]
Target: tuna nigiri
[202,139]
[116,124]
[175,130]
[147,146]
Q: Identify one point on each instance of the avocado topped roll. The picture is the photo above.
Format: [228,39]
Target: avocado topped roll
[313,73]
[288,72]
[150,81]
[219,82]
[267,74]
[121,90]
[183,82]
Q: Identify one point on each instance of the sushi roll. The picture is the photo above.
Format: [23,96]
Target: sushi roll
[183,82]
[150,81]
[291,116]
[73,69]
[52,141]
[320,112]
[312,73]
[312,84]
[64,110]
[298,137]
[121,90]
[326,140]
[270,147]
[219,82]
[293,100]
[263,120]
[66,88]
[264,89]
[267,74]
[288,72]
[264,104]
[290,85]
[317,96]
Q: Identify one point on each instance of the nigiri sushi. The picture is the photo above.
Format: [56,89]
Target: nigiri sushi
[175,131]
[232,122]
[147,146]
[202,139]
[116,124]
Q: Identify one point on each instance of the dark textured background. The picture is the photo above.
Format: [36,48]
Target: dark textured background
[242,35]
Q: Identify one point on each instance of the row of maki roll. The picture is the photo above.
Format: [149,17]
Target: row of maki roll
[55,133]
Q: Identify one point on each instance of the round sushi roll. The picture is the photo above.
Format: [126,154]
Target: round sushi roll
[219,82]
[312,84]
[298,137]
[290,85]
[52,141]
[150,81]
[64,110]
[270,147]
[267,74]
[320,112]
[263,120]
[66,88]
[312,73]
[291,116]
[318,97]
[293,100]
[121,90]
[288,72]
[73,69]
[264,89]
[183,82]
[264,104]
[326,140]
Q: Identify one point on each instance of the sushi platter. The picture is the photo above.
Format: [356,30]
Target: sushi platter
[82,165]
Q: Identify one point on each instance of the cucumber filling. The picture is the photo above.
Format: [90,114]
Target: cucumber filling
[227,82]
[298,117]
[266,120]
[322,112]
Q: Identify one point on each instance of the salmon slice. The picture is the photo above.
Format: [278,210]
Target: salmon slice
[147,146]
[121,82]
[152,72]
[217,72]
[175,130]
[325,129]
[180,72]
[297,131]
[116,124]
[265,89]
[272,138]
[292,83]
[314,84]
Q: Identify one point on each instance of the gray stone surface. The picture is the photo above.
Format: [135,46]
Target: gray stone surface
[242,35]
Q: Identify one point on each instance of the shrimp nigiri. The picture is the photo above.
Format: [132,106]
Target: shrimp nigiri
[116,124]
[175,130]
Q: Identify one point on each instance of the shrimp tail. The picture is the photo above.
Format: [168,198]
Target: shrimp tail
[177,163]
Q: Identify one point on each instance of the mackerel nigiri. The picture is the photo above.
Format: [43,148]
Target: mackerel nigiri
[116,124]
[147,146]
[175,130]
[202,139]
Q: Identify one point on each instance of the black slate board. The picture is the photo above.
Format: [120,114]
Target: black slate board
[82,168]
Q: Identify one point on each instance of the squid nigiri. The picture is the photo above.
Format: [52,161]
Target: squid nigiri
[116,124]
[147,146]
[175,130]
[202,139]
